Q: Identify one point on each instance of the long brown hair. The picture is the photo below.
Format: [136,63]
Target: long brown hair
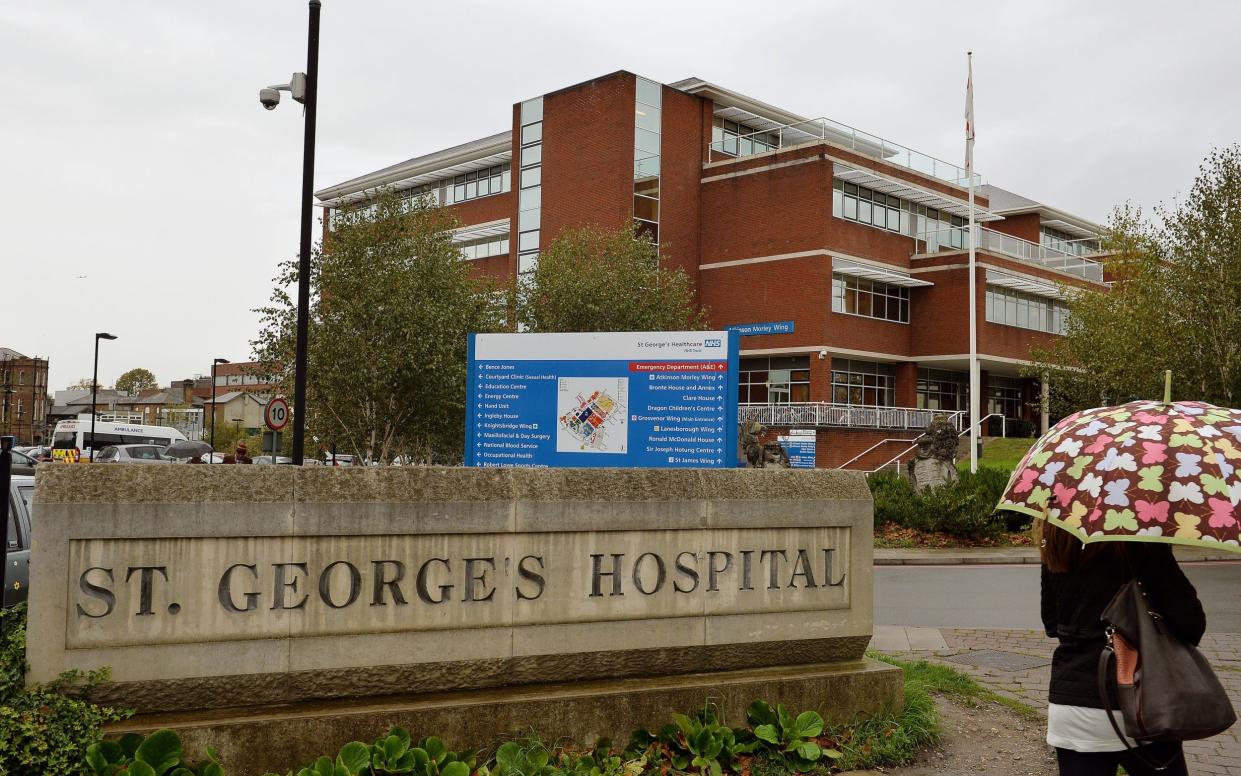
[1061,551]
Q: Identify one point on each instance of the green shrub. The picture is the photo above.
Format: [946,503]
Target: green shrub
[47,728]
[962,508]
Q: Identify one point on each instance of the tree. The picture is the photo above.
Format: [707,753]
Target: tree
[82,382]
[136,380]
[1175,303]
[391,303]
[592,279]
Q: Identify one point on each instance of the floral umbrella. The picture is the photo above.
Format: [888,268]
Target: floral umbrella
[1143,471]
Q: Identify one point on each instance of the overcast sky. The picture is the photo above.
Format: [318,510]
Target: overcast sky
[147,193]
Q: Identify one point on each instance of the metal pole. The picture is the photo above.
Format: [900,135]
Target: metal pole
[6,481]
[973,270]
[211,455]
[94,401]
[303,267]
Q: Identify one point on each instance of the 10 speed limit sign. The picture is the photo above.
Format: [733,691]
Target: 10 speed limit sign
[276,413]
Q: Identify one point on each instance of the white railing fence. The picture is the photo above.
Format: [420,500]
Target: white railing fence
[957,238]
[787,135]
[827,415]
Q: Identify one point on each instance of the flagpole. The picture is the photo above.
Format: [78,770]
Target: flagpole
[975,378]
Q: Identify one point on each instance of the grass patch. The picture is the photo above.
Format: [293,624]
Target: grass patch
[889,740]
[954,685]
[999,453]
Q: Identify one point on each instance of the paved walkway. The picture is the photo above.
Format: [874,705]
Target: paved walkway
[1017,663]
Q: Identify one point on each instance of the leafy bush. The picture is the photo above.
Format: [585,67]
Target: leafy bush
[962,508]
[158,754]
[47,728]
[775,743]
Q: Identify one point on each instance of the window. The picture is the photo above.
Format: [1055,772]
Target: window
[863,383]
[734,139]
[15,542]
[1066,243]
[874,208]
[488,246]
[1004,396]
[646,152]
[530,180]
[869,298]
[776,380]
[1027,311]
[940,389]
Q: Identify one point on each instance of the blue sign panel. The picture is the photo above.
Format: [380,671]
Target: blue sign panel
[615,399]
[799,444]
[773,327]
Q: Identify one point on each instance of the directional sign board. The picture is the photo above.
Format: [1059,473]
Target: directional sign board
[799,444]
[276,413]
[615,399]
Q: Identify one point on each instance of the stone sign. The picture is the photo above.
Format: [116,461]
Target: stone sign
[219,586]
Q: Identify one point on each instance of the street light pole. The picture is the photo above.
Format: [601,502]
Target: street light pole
[303,267]
[214,363]
[94,391]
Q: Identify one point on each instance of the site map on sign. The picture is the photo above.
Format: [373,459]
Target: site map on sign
[592,415]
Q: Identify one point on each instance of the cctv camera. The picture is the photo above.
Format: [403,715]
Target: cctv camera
[269,97]
[822,355]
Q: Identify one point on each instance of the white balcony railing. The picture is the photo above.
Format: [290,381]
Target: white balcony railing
[957,238]
[787,135]
[825,415]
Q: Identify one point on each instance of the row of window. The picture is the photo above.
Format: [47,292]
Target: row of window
[1066,243]
[870,298]
[785,379]
[481,249]
[776,380]
[462,188]
[648,112]
[729,137]
[6,377]
[863,383]
[1026,311]
[874,208]
[530,193]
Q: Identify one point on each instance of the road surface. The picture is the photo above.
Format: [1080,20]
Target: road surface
[1007,596]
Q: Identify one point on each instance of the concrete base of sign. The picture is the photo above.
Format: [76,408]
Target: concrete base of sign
[253,741]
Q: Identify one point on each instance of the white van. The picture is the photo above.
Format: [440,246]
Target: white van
[72,438]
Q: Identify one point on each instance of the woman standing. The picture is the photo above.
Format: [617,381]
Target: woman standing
[1078,582]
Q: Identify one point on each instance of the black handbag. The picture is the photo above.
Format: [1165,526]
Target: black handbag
[1165,688]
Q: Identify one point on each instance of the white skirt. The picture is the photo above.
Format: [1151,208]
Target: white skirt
[1083,729]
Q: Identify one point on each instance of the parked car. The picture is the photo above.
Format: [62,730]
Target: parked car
[341,459]
[23,459]
[17,570]
[132,454]
[279,459]
[39,453]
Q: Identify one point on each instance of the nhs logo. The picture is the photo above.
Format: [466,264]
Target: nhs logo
[711,343]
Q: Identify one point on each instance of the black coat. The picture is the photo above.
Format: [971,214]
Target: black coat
[1073,601]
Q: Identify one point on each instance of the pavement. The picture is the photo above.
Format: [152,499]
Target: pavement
[961,556]
[1016,661]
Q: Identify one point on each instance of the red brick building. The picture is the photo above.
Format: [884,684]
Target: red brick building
[23,397]
[850,248]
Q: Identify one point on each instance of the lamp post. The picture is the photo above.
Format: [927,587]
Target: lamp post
[214,364]
[94,391]
[304,88]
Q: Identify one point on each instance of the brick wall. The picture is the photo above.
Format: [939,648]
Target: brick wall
[834,447]
[681,157]
[588,155]
[783,210]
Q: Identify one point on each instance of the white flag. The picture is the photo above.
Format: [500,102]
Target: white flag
[969,117]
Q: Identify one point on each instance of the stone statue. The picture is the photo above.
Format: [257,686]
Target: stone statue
[935,461]
[759,455]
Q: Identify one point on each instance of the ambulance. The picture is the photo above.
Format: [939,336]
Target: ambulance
[71,439]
